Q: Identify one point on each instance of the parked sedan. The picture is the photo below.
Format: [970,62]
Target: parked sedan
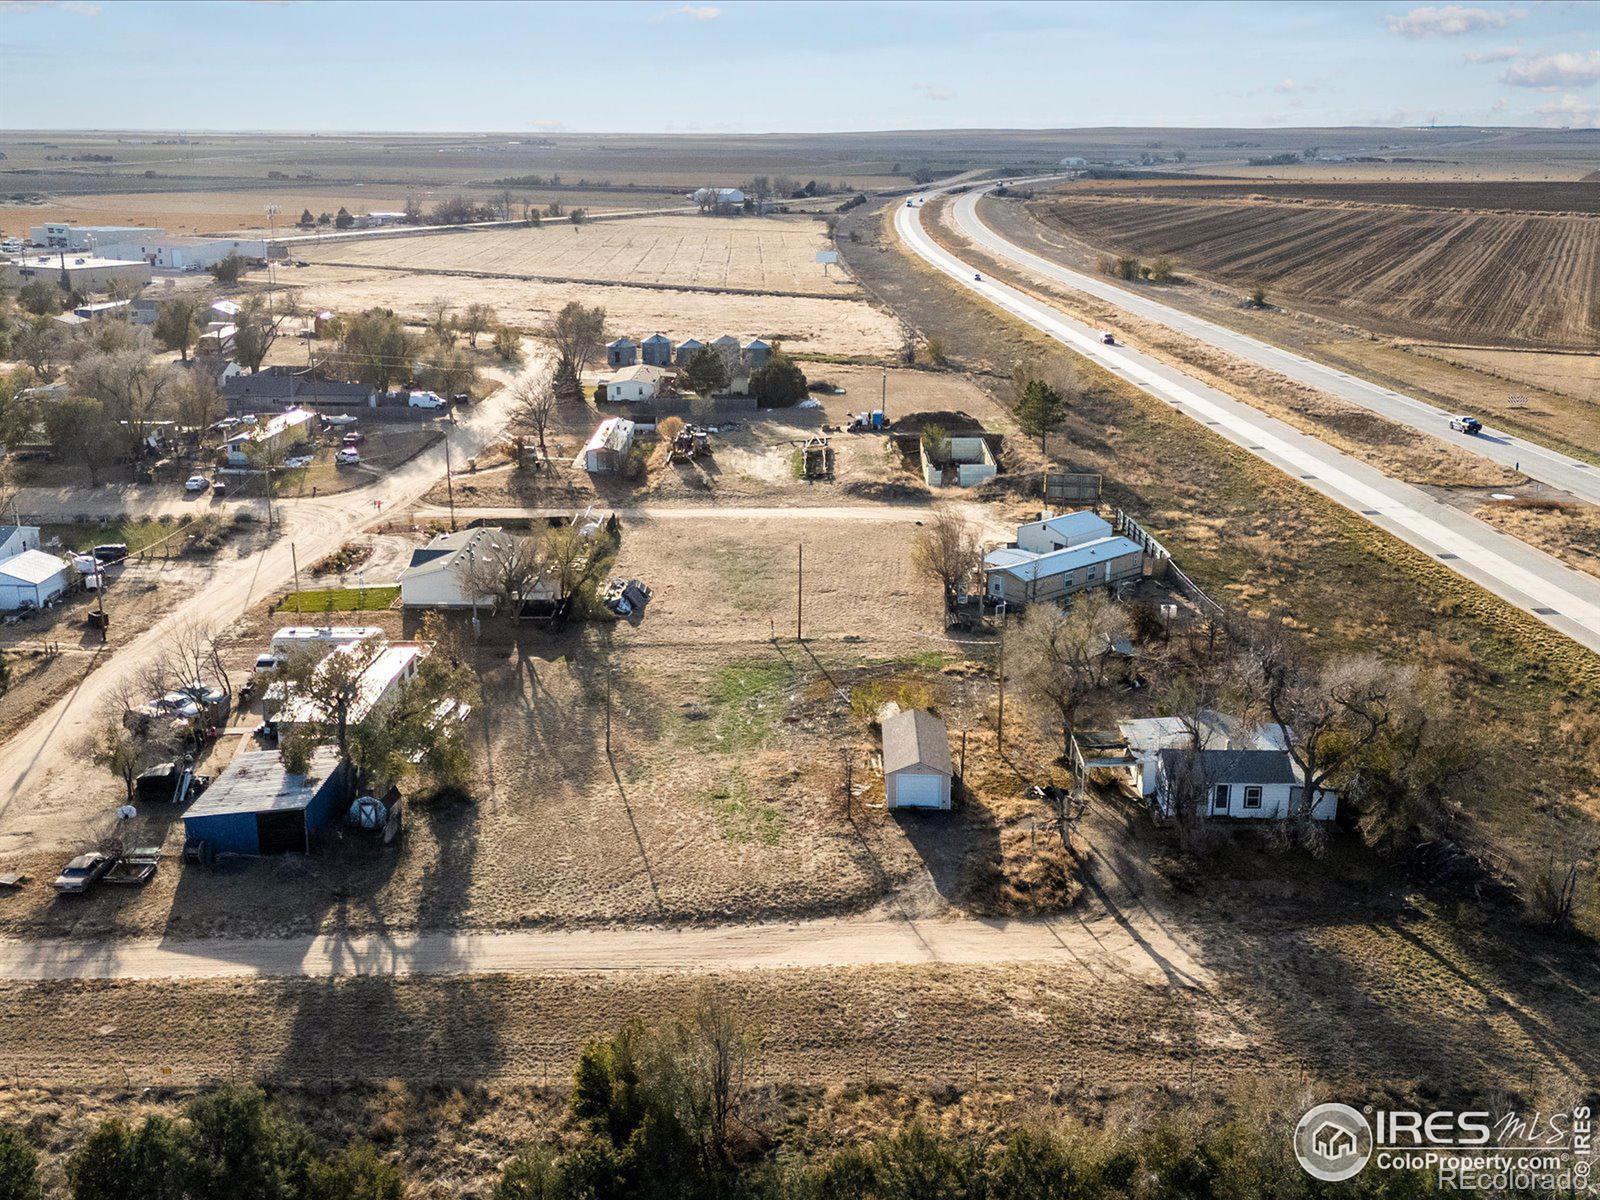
[82,873]
[348,457]
[196,483]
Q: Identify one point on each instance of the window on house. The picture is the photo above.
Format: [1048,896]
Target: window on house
[1252,797]
[1219,798]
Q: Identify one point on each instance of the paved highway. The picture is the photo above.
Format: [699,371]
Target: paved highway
[1537,462]
[1565,599]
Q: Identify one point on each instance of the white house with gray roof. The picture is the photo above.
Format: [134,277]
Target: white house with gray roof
[439,573]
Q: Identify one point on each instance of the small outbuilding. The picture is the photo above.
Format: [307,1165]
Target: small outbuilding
[656,350]
[916,760]
[608,447]
[687,350]
[1059,532]
[32,579]
[257,807]
[622,353]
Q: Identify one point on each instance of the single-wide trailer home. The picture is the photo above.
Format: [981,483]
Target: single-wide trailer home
[1019,576]
[916,760]
[257,807]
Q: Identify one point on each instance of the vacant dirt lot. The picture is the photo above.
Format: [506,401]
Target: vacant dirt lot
[1495,277]
[804,324]
[769,254]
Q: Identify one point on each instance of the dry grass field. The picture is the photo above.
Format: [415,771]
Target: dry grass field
[1490,276]
[1575,375]
[805,325]
[765,254]
[243,210]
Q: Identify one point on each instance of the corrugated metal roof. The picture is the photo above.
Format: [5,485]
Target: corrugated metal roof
[255,781]
[915,738]
[31,567]
[1075,526]
[1025,566]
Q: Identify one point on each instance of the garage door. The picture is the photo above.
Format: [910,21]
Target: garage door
[918,791]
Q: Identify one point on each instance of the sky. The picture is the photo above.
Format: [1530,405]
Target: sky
[729,66]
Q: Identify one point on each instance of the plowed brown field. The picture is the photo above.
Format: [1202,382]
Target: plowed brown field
[1494,277]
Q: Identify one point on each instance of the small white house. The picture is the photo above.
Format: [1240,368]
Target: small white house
[1147,737]
[438,575]
[1059,532]
[14,539]
[916,761]
[632,384]
[1241,785]
[276,433]
[32,579]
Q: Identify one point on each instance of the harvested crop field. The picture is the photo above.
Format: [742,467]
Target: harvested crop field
[760,254]
[1493,277]
[805,324]
[1480,197]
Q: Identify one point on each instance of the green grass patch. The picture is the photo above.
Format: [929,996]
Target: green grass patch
[745,698]
[136,533]
[742,817]
[327,600]
[748,577]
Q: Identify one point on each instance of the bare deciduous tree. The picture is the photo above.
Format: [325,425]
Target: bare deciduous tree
[505,569]
[948,549]
[533,406]
[1060,657]
[475,318]
[1329,714]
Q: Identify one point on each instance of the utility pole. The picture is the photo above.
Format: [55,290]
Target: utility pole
[800,594]
[883,404]
[294,561]
[449,488]
[849,779]
[1000,715]
[608,709]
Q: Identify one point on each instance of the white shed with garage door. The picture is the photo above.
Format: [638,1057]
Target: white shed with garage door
[916,760]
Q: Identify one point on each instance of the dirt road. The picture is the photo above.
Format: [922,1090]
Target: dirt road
[1140,948]
[35,790]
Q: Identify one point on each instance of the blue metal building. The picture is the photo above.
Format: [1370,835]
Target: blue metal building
[256,807]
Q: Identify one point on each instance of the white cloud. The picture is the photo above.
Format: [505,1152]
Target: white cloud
[700,12]
[1565,69]
[1449,20]
[1498,54]
[79,7]
[932,91]
[1570,110]
[1289,87]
